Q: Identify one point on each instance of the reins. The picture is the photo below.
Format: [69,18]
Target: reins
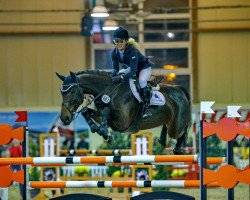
[79,97]
[100,94]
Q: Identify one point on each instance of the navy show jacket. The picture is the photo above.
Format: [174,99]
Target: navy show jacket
[132,58]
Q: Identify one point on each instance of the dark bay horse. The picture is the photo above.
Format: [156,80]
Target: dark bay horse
[116,107]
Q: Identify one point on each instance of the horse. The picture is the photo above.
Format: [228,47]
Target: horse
[117,108]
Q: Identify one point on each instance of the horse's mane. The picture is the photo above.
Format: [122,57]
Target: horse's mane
[95,72]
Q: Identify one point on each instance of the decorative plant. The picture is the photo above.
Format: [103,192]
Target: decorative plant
[120,141]
[34,174]
[81,170]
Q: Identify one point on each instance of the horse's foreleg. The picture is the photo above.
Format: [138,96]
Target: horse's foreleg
[86,113]
[103,128]
[89,113]
[163,136]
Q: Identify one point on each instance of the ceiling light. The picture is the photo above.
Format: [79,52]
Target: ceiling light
[170,35]
[110,25]
[99,11]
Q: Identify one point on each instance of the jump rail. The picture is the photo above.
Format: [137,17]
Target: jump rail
[108,151]
[97,151]
[112,184]
[130,160]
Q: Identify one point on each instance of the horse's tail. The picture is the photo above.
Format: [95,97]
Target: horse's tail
[190,104]
[186,93]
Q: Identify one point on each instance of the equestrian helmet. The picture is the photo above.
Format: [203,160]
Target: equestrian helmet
[120,34]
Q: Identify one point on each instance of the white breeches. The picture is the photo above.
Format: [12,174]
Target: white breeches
[144,76]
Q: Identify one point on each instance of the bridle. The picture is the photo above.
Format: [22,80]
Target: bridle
[78,97]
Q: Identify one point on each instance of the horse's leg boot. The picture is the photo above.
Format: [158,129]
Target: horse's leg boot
[146,100]
[103,131]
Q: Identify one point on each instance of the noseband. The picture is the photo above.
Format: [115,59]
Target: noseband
[78,96]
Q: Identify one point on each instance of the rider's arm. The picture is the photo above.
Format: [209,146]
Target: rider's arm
[115,63]
[133,64]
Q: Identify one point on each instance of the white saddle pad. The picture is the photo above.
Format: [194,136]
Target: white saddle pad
[157,97]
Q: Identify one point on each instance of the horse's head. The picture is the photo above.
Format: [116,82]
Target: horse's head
[72,97]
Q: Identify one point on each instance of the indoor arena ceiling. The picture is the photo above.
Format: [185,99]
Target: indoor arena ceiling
[124,8]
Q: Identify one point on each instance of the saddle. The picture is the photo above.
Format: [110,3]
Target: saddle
[157,98]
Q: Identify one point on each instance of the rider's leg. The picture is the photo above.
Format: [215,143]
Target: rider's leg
[144,76]
[146,99]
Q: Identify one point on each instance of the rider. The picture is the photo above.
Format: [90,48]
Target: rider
[127,55]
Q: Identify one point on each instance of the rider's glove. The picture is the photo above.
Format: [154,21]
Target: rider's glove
[118,79]
[113,74]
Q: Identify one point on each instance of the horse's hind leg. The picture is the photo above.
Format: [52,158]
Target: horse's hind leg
[163,136]
[178,150]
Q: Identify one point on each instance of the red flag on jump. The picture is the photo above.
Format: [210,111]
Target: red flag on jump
[21,116]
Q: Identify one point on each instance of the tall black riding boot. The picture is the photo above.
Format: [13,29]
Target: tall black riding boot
[146,100]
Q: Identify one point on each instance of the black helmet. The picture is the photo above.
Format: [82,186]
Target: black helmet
[120,34]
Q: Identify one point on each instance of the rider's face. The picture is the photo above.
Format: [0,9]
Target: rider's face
[120,44]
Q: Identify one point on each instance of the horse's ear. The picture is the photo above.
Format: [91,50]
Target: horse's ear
[60,76]
[73,76]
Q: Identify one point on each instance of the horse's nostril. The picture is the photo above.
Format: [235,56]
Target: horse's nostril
[67,120]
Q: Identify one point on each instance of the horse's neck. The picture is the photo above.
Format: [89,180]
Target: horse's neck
[94,84]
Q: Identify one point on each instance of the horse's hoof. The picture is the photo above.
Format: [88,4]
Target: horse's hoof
[178,151]
[94,128]
[109,139]
[163,143]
